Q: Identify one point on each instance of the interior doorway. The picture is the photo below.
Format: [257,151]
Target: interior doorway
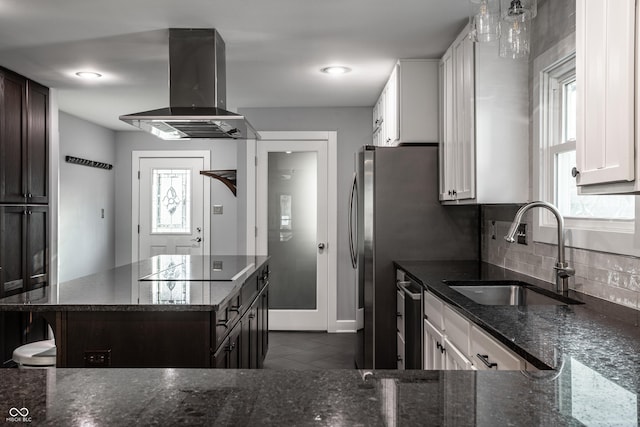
[296,222]
[170,202]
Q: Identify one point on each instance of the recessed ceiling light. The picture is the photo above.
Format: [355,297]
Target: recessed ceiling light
[335,69]
[88,75]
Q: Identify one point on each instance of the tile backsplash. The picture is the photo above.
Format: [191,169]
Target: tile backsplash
[612,277]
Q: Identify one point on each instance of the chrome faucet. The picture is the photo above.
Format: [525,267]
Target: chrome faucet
[563,271]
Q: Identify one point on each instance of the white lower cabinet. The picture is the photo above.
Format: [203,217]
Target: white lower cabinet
[454,359]
[432,352]
[455,343]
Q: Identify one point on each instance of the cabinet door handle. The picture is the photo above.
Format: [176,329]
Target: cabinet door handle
[398,314]
[574,172]
[484,358]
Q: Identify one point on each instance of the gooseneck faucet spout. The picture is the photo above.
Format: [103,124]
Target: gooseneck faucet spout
[563,271]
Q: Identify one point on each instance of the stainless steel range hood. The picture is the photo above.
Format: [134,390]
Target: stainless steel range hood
[197,92]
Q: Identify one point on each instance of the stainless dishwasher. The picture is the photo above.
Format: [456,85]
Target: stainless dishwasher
[408,322]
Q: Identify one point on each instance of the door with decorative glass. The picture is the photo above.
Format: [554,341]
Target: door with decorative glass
[292,218]
[171,206]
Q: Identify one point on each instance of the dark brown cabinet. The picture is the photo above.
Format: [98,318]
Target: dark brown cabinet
[263,325]
[229,354]
[250,337]
[23,248]
[247,343]
[24,140]
[24,214]
[36,169]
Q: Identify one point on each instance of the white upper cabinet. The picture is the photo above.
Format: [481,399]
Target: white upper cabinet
[407,109]
[605,75]
[484,122]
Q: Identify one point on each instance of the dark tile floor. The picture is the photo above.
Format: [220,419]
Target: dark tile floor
[310,350]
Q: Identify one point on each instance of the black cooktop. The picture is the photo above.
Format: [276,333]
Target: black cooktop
[198,268]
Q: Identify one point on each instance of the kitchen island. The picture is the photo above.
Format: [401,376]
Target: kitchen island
[166,311]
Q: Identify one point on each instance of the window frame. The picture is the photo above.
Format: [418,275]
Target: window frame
[553,67]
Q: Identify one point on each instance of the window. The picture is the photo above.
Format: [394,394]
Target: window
[605,223]
[170,201]
[561,110]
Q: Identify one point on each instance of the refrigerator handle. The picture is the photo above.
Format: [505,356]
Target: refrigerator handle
[352,243]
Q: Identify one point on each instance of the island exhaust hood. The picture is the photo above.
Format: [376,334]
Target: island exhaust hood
[197,92]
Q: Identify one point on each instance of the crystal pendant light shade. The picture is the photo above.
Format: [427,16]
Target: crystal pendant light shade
[506,20]
[515,39]
[516,25]
[485,20]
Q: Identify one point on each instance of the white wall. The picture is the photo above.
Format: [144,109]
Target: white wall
[353,127]
[86,242]
[223,156]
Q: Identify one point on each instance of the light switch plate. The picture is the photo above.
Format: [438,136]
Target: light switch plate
[217,209]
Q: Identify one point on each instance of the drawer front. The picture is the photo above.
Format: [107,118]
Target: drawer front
[226,316]
[433,310]
[456,329]
[400,313]
[486,353]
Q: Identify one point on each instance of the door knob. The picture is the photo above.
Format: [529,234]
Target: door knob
[197,239]
[321,246]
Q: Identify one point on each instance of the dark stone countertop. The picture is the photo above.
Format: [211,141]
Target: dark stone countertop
[160,283]
[602,336]
[55,397]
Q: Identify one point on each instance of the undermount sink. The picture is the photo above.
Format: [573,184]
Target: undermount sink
[508,292]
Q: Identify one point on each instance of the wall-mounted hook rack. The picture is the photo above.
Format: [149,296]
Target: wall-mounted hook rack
[90,163]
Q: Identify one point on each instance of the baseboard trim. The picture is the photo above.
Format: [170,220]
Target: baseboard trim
[344,327]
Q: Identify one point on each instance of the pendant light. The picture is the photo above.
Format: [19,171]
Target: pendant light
[506,20]
[485,20]
[515,39]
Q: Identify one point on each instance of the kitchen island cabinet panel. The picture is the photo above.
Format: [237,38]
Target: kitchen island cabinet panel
[136,339]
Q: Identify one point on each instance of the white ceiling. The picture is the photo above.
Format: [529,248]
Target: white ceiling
[274,48]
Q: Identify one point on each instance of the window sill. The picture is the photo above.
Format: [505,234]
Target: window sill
[611,241]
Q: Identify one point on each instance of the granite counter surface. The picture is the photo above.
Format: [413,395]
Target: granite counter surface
[73,397]
[602,336]
[160,283]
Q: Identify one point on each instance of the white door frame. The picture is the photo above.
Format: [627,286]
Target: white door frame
[332,214]
[136,155]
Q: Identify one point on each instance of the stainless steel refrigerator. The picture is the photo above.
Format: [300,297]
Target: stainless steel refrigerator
[395,214]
